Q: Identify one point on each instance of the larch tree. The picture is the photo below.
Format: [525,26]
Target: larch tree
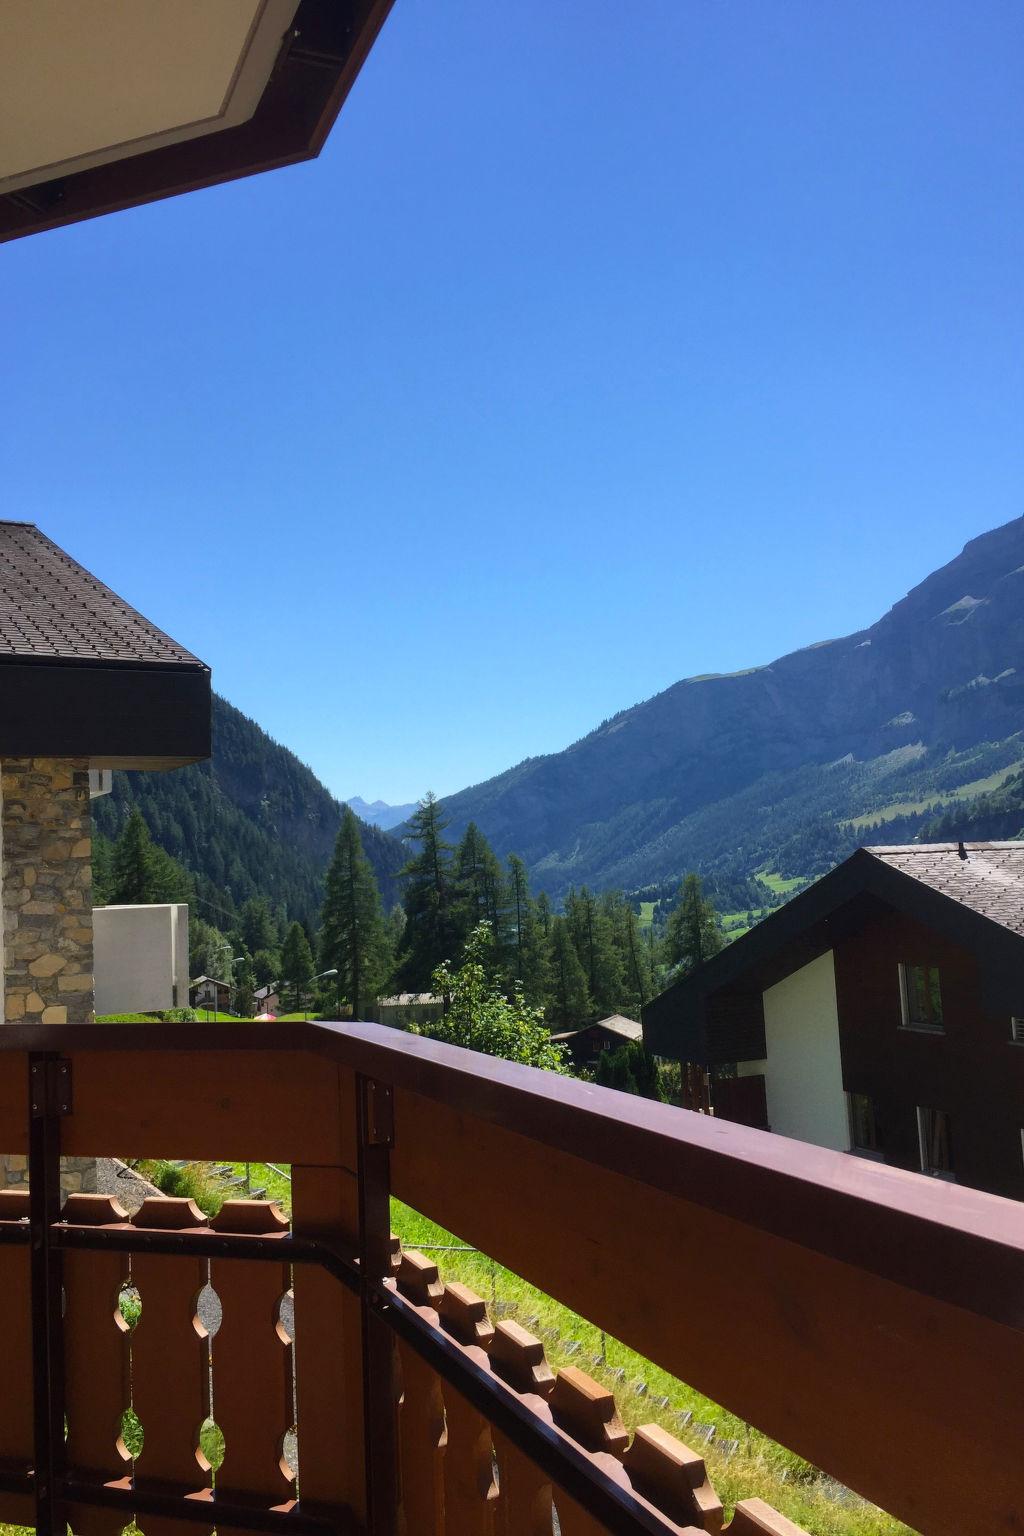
[528,949]
[692,934]
[479,886]
[354,937]
[570,1003]
[296,966]
[594,937]
[431,918]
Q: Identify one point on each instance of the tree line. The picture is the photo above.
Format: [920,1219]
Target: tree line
[591,959]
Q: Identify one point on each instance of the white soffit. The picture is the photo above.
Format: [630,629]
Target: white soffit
[85,82]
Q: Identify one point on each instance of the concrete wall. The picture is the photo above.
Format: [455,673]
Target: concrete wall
[803,1070]
[141,958]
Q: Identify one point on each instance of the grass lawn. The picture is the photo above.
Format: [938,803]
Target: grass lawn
[776,883]
[645,1393]
[940,798]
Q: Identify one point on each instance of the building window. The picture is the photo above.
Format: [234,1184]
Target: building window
[1017,1030]
[863,1126]
[921,997]
[935,1142]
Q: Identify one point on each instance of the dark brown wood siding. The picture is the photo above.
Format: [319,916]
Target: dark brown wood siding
[972,1070]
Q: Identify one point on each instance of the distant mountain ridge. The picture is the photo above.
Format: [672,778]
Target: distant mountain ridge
[774,764]
[379,814]
[254,820]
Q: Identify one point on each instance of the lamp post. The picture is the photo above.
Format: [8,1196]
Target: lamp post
[235,959]
[319,977]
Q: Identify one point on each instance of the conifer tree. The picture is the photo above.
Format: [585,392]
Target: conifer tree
[431,921]
[636,955]
[594,938]
[141,872]
[631,1068]
[528,950]
[692,934]
[296,966]
[257,928]
[354,936]
[570,1004]
[479,887]
[132,864]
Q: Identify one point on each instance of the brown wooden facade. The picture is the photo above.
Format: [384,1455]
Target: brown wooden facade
[972,1070]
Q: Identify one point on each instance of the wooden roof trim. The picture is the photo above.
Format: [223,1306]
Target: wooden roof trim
[320,58]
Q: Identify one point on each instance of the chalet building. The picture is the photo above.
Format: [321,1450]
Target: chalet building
[880,1012]
[208,992]
[587,1044]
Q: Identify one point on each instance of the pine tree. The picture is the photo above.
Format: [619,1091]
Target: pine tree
[257,927]
[133,863]
[594,938]
[528,949]
[354,938]
[636,955]
[296,966]
[479,887]
[141,872]
[570,1004]
[692,934]
[431,921]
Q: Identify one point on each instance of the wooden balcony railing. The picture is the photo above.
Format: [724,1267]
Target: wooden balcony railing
[871,1320]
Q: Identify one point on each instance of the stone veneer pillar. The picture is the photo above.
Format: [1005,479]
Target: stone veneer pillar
[47,909]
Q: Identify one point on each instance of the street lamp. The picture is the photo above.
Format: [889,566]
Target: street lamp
[319,977]
[221,949]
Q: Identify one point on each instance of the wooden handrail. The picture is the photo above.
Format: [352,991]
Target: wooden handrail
[836,1304]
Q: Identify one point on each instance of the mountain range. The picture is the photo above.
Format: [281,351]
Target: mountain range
[379,814]
[254,820]
[785,768]
[912,727]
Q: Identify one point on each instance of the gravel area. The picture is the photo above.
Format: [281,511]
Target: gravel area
[115,1178]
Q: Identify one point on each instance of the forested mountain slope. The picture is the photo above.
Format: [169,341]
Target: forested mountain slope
[786,766]
[252,821]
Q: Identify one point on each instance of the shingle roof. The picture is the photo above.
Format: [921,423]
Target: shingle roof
[987,877]
[52,608]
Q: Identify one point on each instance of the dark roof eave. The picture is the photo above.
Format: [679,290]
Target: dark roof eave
[678,1013]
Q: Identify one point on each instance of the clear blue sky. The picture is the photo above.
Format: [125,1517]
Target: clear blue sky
[604,345]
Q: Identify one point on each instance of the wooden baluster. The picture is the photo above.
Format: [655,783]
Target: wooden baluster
[524,1493]
[673,1478]
[754,1517]
[422,1436]
[252,1362]
[16,1446]
[95,1361]
[588,1412]
[170,1363]
[328,1347]
[470,1489]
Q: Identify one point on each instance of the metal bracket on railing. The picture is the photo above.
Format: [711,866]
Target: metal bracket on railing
[379,1121]
[50,1080]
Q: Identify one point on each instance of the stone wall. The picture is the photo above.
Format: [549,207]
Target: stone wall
[47,907]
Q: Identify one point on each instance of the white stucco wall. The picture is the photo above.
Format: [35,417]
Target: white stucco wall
[803,1071]
[141,958]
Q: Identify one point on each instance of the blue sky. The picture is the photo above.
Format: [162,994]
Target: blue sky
[602,346]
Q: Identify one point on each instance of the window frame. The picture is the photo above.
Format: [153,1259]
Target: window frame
[920,1026]
[874,1153]
[1016,1030]
[949,1174]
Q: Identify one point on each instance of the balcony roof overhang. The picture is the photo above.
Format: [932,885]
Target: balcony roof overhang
[108,103]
